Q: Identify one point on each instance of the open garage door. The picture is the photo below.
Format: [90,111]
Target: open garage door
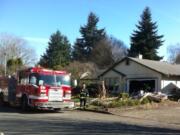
[147,85]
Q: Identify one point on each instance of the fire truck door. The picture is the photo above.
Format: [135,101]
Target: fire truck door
[12,84]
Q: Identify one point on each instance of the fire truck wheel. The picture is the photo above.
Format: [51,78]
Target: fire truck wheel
[57,110]
[24,103]
[1,99]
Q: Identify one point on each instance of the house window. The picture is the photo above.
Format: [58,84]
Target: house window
[112,83]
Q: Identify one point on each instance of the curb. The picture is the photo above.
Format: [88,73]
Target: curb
[96,111]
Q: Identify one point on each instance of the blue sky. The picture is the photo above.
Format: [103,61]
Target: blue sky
[36,20]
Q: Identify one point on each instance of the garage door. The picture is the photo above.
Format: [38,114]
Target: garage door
[147,85]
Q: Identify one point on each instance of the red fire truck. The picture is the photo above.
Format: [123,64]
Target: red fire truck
[38,88]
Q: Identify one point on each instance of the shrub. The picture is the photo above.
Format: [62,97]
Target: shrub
[124,95]
[136,102]
[127,102]
[130,102]
[97,103]
[93,89]
[145,101]
[76,100]
[115,104]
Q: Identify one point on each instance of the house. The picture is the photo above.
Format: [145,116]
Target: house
[134,74]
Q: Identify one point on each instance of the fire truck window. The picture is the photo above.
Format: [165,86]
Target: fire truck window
[33,80]
[41,82]
[63,79]
[24,81]
[58,83]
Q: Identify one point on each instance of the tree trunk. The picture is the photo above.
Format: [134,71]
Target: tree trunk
[103,95]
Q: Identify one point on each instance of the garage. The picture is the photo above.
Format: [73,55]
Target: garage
[137,74]
[147,85]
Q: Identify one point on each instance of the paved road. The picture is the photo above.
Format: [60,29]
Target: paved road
[14,122]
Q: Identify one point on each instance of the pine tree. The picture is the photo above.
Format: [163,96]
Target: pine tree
[57,53]
[90,36]
[14,64]
[78,51]
[145,39]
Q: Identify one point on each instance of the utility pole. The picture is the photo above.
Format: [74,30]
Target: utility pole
[5,64]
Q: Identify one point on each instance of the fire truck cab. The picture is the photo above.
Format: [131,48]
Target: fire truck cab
[42,89]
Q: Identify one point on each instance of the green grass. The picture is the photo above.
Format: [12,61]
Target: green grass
[75,99]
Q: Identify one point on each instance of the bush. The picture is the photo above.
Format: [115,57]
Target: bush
[130,102]
[145,101]
[97,103]
[76,99]
[124,95]
[93,89]
[127,102]
[76,91]
[137,102]
[115,104]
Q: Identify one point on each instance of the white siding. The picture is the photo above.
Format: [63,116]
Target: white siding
[111,74]
[168,85]
[137,71]
[112,78]
[167,82]
[132,71]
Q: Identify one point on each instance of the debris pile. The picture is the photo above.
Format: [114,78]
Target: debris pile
[155,97]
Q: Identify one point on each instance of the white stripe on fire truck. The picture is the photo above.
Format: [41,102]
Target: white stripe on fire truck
[19,95]
[65,85]
[36,97]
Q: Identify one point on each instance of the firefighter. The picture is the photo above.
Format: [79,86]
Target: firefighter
[12,84]
[84,94]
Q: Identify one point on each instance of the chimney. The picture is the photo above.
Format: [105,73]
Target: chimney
[140,56]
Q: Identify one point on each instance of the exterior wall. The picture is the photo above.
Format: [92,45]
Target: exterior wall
[168,85]
[133,70]
[114,80]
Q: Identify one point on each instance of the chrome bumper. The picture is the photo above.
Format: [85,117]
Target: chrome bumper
[55,105]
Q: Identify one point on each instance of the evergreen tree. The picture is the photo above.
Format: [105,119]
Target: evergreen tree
[78,51]
[14,64]
[145,39]
[90,36]
[57,53]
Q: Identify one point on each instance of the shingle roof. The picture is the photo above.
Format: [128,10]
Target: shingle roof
[159,66]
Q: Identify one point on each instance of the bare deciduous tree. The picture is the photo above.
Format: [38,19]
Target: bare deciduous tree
[119,49]
[174,53]
[79,69]
[102,54]
[108,51]
[14,47]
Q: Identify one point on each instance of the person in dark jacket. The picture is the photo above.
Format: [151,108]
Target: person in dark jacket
[83,96]
[12,84]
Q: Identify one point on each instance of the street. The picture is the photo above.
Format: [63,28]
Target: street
[13,121]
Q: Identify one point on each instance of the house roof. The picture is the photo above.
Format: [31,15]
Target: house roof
[118,72]
[158,66]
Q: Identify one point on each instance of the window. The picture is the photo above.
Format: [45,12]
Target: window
[24,81]
[33,80]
